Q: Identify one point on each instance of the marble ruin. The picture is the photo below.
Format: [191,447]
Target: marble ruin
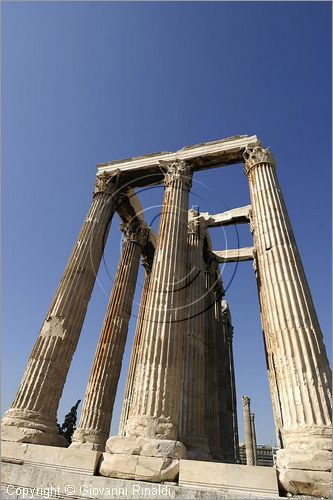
[180,397]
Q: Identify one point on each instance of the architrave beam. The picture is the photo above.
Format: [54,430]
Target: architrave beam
[239,215]
[146,170]
[234,255]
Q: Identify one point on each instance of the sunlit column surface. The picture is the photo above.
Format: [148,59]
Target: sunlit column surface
[32,417]
[299,372]
[155,406]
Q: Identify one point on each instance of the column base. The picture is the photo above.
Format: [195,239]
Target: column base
[86,439]
[25,426]
[31,436]
[305,464]
[142,458]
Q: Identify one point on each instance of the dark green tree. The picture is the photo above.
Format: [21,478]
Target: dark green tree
[68,427]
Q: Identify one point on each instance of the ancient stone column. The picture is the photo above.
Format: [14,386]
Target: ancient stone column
[137,345]
[192,422]
[213,369]
[248,431]
[228,401]
[95,420]
[154,411]
[254,438]
[270,366]
[32,417]
[293,339]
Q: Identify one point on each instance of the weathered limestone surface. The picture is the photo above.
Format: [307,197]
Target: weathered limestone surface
[78,461]
[240,215]
[145,170]
[137,345]
[299,372]
[32,416]
[192,430]
[97,487]
[234,255]
[249,482]
[146,446]
[154,469]
[94,426]
[154,410]
[305,482]
[249,446]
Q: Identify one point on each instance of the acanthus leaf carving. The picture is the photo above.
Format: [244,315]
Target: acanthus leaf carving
[177,170]
[135,232]
[257,156]
[106,183]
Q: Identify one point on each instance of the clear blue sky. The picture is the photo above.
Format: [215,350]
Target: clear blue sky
[90,82]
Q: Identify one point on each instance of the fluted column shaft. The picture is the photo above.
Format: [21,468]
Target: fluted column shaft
[233,393]
[254,438]
[192,421]
[95,420]
[269,360]
[32,417]
[213,363]
[131,376]
[155,407]
[248,430]
[296,353]
[227,393]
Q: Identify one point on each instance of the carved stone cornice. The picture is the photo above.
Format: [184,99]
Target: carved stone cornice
[245,401]
[177,170]
[134,232]
[257,156]
[107,183]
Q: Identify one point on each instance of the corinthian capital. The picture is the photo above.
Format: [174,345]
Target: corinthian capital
[257,156]
[106,183]
[135,232]
[246,400]
[177,170]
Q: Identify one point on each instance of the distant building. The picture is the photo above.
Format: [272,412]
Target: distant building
[265,454]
